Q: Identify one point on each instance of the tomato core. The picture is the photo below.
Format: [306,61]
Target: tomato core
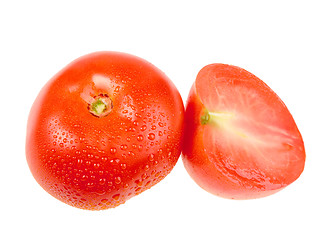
[101,106]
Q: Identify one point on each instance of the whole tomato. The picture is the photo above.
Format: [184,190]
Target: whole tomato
[243,142]
[104,129]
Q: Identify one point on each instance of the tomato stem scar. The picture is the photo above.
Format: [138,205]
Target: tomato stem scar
[204,119]
[101,106]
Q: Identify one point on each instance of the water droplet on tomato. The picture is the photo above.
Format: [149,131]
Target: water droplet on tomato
[123,166]
[100,192]
[118,180]
[139,137]
[84,178]
[145,176]
[146,167]
[147,184]
[143,128]
[151,157]
[151,136]
[139,182]
[102,181]
[115,160]
[113,150]
[116,197]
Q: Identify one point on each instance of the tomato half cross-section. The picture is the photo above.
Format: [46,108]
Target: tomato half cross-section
[241,142]
[104,129]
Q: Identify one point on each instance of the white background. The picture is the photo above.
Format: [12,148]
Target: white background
[288,44]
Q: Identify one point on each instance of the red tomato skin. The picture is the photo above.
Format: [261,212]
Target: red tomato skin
[203,167]
[96,163]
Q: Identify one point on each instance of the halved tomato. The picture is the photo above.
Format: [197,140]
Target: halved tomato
[244,141]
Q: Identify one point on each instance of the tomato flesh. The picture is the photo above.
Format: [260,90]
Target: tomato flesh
[245,141]
[104,129]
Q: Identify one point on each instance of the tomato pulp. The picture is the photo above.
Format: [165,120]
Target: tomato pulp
[104,129]
[241,141]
